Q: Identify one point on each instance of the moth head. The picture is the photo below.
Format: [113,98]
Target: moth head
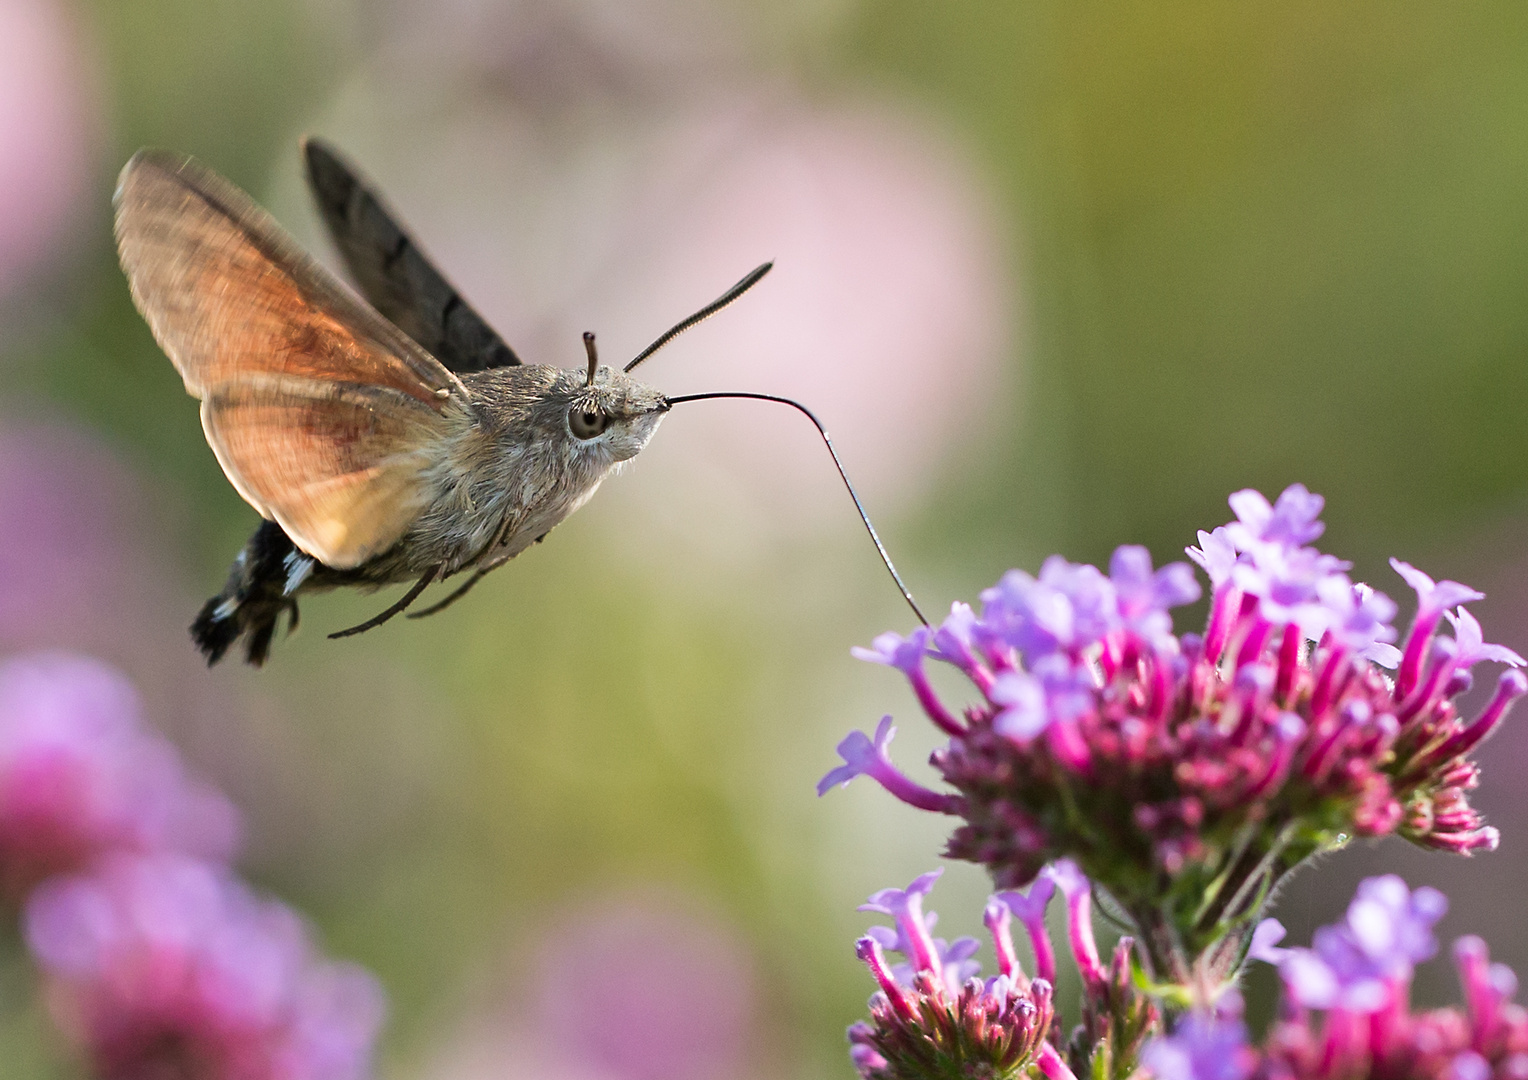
[611,415]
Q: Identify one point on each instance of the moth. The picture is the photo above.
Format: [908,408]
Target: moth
[383,438]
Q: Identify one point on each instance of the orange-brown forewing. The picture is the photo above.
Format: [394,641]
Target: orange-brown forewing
[322,413]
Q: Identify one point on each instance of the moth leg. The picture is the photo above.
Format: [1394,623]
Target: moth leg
[404,601]
[460,592]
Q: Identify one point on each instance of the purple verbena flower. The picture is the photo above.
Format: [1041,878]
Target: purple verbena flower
[1157,762]
[913,929]
[868,757]
[1216,555]
[1435,597]
[934,1017]
[1472,643]
[163,965]
[1068,608]
[903,653]
[80,775]
[1205,1045]
[1293,521]
[906,655]
[1029,909]
[1145,596]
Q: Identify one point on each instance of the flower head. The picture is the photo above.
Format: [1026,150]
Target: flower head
[1158,762]
[930,1021]
[80,775]
[933,1014]
[164,965]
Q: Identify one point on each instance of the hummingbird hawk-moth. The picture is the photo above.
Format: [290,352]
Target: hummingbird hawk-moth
[389,439]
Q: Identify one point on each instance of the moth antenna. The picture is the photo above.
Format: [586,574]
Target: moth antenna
[874,536]
[703,314]
[594,359]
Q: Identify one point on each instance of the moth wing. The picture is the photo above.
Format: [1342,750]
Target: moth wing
[392,271]
[321,413]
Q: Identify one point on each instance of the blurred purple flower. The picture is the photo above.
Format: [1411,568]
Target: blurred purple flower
[1145,596]
[1472,643]
[1216,555]
[164,965]
[1357,978]
[892,649]
[1359,964]
[1204,1046]
[645,987]
[80,775]
[63,505]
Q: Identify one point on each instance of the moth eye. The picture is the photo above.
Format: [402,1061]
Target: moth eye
[585,424]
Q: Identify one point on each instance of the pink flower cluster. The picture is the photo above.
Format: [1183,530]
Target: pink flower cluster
[1188,774]
[934,1016]
[80,776]
[1346,1010]
[156,959]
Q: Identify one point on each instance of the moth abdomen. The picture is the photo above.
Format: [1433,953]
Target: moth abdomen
[263,584]
[253,599]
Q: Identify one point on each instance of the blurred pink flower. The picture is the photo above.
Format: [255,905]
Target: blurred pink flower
[164,966]
[65,507]
[645,989]
[80,775]
[46,129]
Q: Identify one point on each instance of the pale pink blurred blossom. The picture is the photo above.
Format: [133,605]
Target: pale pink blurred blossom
[81,775]
[67,516]
[649,985]
[646,988]
[47,126]
[160,966]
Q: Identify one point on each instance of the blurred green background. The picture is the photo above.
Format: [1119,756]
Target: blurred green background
[1068,274]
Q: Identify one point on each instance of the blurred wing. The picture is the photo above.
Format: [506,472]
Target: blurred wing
[321,413]
[394,274]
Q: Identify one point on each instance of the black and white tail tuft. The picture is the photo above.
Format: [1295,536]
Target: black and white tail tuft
[260,588]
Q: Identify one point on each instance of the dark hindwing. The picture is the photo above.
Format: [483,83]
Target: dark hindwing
[393,274]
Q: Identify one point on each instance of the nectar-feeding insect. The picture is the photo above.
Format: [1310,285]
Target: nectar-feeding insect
[389,439]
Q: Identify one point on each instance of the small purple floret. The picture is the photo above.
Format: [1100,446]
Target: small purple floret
[1435,596]
[866,757]
[1472,643]
[1291,522]
[903,653]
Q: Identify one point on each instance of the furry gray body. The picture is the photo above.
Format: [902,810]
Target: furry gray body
[514,469]
[510,471]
